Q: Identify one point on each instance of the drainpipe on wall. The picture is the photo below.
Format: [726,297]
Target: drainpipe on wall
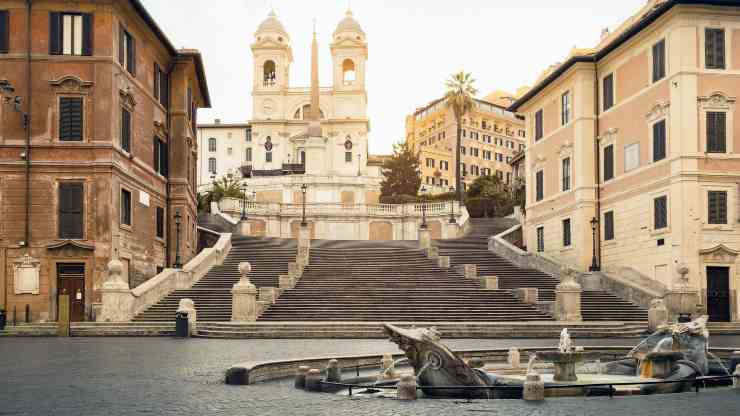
[598,164]
[27,127]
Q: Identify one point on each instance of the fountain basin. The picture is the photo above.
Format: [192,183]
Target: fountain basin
[565,363]
[573,388]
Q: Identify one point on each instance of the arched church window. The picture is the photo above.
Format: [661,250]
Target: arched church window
[348,71]
[270,74]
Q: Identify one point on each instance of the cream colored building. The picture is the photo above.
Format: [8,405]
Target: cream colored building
[223,148]
[491,135]
[639,133]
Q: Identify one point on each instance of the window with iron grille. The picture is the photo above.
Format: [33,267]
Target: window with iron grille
[268,157]
[659,61]
[540,185]
[609,162]
[161,157]
[348,157]
[160,222]
[538,126]
[608,93]
[609,225]
[660,210]
[126,130]
[212,165]
[566,232]
[714,48]
[565,108]
[212,144]
[659,141]
[566,174]
[70,118]
[4,31]
[540,239]
[248,156]
[716,132]
[717,207]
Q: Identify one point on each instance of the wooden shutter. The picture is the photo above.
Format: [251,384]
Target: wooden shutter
[70,118]
[4,31]
[714,48]
[716,132]
[121,45]
[609,225]
[156,161]
[157,75]
[131,55]
[55,33]
[160,222]
[566,232]
[659,141]
[125,207]
[717,207]
[164,93]
[125,130]
[608,162]
[660,211]
[540,185]
[608,91]
[87,34]
[71,203]
[659,61]
[165,156]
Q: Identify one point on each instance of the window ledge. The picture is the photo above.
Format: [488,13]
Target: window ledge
[717,227]
[660,232]
[567,249]
[160,240]
[126,227]
[609,243]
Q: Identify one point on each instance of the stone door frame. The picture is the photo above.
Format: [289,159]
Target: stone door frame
[721,256]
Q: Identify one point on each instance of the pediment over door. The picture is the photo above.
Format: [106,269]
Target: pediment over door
[719,254]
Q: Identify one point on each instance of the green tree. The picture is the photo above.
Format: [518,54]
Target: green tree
[223,188]
[459,97]
[488,195]
[401,172]
[486,187]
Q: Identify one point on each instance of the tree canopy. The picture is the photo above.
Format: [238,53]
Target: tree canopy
[401,172]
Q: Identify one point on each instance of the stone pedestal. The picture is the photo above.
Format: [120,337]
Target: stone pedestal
[313,380]
[303,256]
[386,367]
[262,307]
[269,294]
[534,388]
[514,357]
[244,228]
[453,230]
[286,282]
[294,270]
[443,262]
[300,377]
[432,252]
[116,299]
[407,387]
[304,236]
[489,283]
[63,318]
[333,372]
[528,295]
[425,238]
[244,297]
[188,306]
[568,297]
[470,271]
[682,301]
[591,281]
[657,314]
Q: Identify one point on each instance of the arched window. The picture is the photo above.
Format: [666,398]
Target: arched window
[302,112]
[212,144]
[348,72]
[270,74]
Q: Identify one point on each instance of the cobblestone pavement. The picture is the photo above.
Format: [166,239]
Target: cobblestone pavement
[162,376]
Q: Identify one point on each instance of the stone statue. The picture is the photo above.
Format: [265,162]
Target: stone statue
[514,357]
[566,345]
[435,365]
[530,365]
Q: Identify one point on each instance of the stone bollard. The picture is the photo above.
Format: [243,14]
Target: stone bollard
[386,367]
[262,307]
[443,262]
[333,372]
[286,282]
[568,297]
[489,283]
[269,294]
[116,298]
[407,387]
[528,295]
[433,252]
[294,270]
[425,238]
[736,380]
[244,297]
[657,314]
[514,357]
[304,236]
[470,271]
[303,256]
[313,380]
[300,377]
[534,388]
[188,306]
[244,228]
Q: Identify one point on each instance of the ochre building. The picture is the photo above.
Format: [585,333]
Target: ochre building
[638,136]
[98,155]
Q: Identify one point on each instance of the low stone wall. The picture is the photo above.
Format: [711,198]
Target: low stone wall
[500,245]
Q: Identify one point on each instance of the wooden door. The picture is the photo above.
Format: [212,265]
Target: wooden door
[718,294]
[71,281]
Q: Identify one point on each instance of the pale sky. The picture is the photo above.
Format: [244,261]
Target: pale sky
[413,46]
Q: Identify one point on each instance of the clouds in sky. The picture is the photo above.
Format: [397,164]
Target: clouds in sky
[413,46]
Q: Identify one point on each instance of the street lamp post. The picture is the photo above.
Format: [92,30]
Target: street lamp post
[452,207]
[304,188]
[244,201]
[423,208]
[594,265]
[359,164]
[178,261]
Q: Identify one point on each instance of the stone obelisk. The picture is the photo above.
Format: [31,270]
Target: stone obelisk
[316,156]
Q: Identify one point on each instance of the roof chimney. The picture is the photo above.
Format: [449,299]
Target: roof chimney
[217,121]
[604,33]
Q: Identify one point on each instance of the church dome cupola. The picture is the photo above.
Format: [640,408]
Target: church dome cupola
[272,27]
[349,28]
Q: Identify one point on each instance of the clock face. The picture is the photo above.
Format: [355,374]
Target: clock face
[268,106]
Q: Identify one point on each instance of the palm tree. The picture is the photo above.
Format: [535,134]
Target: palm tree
[459,97]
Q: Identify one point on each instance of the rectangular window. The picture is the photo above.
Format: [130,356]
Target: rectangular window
[70,118]
[716,132]
[212,165]
[348,157]
[565,108]
[659,61]
[714,48]
[248,156]
[566,232]
[609,225]
[4,31]
[538,127]
[659,141]
[608,162]
[126,130]
[248,133]
[71,203]
[540,239]
[717,209]
[608,93]
[70,34]
[127,51]
[161,157]
[160,222]
[631,156]
[125,207]
[566,174]
[660,210]
[268,157]
[540,185]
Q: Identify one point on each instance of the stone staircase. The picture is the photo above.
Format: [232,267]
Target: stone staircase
[365,281]
[473,249]
[212,294]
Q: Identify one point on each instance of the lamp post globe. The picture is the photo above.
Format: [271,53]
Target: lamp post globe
[594,263]
[178,261]
[452,207]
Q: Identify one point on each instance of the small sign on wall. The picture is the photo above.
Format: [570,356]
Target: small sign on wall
[26,275]
[144,198]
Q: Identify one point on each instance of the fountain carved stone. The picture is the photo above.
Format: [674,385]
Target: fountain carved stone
[565,358]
